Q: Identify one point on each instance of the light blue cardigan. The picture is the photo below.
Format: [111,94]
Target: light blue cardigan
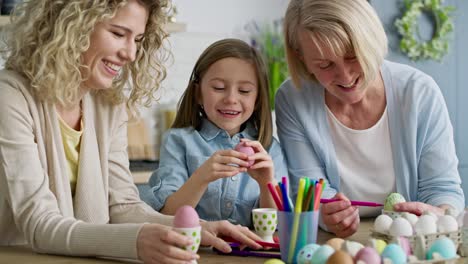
[421,135]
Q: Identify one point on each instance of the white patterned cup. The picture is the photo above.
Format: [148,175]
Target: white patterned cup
[265,221]
[195,234]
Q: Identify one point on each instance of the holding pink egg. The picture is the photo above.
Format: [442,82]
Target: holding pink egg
[187,223]
[246,150]
[220,155]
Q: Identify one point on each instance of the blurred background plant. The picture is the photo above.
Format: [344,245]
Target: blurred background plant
[268,39]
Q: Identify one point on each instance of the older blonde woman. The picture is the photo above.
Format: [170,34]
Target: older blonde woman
[367,125]
[65,186]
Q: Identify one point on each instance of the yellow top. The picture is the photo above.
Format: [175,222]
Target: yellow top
[71,144]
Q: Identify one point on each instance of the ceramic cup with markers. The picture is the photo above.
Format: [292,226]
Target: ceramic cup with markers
[265,221]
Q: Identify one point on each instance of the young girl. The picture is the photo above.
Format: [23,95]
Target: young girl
[226,102]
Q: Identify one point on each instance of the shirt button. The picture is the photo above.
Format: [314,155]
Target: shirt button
[234,178]
[228,204]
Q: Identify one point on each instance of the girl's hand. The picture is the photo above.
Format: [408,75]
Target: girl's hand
[211,231]
[340,217]
[262,170]
[222,164]
[159,244]
[418,208]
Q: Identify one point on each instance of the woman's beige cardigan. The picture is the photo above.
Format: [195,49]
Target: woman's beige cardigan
[36,206]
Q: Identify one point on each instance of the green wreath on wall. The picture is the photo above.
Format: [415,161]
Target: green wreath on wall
[435,48]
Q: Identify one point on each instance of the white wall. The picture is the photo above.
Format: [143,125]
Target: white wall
[206,21]
[225,16]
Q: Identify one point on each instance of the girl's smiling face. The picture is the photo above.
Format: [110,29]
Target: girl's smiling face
[113,43]
[228,92]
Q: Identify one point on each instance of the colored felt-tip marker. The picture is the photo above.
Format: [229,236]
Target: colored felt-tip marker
[354,203]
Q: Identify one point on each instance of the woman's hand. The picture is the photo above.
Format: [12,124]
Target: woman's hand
[160,244]
[211,231]
[419,208]
[222,164]
[262,170]
[340,217]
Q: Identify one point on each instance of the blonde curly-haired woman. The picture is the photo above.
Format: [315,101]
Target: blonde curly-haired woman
[65,184]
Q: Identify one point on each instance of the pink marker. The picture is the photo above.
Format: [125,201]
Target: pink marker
[355,203]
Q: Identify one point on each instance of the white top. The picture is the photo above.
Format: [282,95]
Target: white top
[365,162]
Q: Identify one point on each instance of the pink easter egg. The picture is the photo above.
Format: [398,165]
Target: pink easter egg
[367,255]
[186,217]
[247,150]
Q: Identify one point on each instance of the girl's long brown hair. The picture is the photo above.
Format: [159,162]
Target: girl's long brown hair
[189,112]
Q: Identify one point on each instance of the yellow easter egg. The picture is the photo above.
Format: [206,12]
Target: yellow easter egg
[380,245]
[274,261]
[335,243]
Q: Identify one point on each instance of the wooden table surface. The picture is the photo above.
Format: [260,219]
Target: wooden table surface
[26,256]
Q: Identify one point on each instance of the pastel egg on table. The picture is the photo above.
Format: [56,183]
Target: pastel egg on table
[274,261]
[394,254]
[367,255]
[377,244]
[322,254]
[404,243]
[442,248]
[341,257]
[304,256]
[351,247]
[335,243]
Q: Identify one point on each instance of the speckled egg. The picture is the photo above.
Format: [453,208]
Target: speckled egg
[340,257]
[322,254]
[377,244]
[393,199]
[442,246]
[426,224]
[304,256]
[394,253]
[382,223]
[367,255]
[400,227]
[335,243]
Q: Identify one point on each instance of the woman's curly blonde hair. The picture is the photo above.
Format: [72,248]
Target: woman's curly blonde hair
[46,39]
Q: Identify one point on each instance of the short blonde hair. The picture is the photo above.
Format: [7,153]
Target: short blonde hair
[343,25]
[190,113]
[47,38]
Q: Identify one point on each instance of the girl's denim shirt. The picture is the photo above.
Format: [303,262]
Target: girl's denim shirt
[184,150]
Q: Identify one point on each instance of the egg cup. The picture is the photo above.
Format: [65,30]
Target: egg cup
[265,221]
[195,234]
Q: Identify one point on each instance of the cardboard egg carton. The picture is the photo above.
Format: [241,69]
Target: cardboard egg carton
[428,238]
